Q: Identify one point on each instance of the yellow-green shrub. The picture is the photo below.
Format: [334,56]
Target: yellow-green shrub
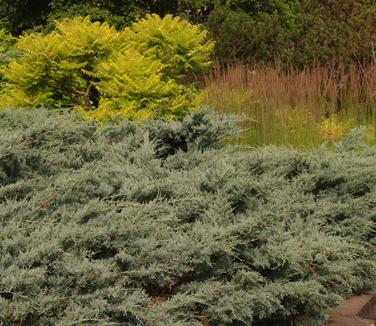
[55,70]
[183,48]
[104,72]
[132,85]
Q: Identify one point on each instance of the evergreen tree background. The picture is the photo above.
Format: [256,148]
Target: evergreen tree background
[295,32]
[298,32]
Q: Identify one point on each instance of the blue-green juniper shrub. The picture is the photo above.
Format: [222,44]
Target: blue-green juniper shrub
[158,224]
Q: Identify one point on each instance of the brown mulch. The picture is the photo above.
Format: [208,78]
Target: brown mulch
[355,311]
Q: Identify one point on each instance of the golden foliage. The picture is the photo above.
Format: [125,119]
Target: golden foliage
[183,48]
[103,72]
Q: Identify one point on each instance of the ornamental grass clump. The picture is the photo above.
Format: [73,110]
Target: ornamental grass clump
[158,224]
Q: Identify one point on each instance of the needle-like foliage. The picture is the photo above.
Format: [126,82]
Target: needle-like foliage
[158,224]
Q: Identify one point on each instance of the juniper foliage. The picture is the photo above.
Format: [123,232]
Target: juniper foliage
[158,224]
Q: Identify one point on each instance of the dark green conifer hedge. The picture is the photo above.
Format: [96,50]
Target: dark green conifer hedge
[157,224]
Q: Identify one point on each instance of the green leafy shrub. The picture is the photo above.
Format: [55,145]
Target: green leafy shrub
[104,72]
[7,52]
[157,224]
[301,33]
[115,13]
[6,43]
[19,16]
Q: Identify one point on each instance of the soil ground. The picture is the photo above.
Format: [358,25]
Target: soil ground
[356,311]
